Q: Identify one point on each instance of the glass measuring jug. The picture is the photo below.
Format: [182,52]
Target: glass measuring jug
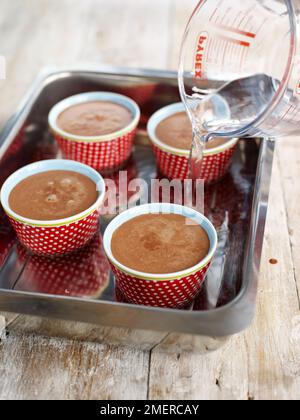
[239,71]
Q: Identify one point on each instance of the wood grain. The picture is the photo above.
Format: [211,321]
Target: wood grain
[289,160]
[39,33]
[33,367]
[137,339]
[262,363]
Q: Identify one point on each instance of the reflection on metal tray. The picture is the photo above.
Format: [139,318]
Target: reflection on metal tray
[80,287]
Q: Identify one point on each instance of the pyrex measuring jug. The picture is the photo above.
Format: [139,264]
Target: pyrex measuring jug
[240,67]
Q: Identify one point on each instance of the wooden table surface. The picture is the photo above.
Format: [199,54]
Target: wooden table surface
[262,363]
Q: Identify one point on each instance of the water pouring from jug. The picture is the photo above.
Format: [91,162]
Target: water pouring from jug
[239,72]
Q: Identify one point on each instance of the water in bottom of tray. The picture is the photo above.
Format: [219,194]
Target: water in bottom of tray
[86,273]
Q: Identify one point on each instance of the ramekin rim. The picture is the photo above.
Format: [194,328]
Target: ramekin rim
[66,103]
[168,111]
[144,209]
[44,167]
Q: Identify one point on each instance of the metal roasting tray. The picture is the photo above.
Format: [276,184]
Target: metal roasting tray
[237,206]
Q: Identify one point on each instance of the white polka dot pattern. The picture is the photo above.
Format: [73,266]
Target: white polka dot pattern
[163,294]
[101,156]
[214,167]
[57,240]
[84,273]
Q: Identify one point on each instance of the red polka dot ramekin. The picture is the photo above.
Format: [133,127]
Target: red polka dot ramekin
[103,153]
[174,163]
[174,290]
[55,237]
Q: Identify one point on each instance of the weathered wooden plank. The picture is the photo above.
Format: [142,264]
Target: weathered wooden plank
[264,362]
[200,377]
[138,339]
[33,367]
[289,159]
[273,342]
[8,318]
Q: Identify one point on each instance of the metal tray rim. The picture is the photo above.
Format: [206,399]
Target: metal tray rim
[257,221]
